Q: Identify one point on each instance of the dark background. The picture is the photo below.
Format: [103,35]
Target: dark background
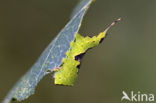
[124,61]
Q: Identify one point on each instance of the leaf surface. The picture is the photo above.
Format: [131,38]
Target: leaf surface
[51,58]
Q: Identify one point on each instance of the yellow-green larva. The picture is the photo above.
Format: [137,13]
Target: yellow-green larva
[67,73]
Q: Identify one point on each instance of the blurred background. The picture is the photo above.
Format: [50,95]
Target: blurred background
[124,61]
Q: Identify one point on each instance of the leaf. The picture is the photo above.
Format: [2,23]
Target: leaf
[67,73]
[62,57]
[79,6]
[51,58]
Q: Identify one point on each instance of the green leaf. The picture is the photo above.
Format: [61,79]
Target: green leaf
[79,6]
[61,57]
[51,58]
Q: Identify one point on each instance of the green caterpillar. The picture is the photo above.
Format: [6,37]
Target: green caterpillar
[67,73]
